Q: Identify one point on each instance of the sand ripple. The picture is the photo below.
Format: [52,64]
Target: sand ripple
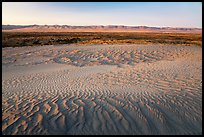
[160,92]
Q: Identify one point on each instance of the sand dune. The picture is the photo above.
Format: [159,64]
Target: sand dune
[102,89]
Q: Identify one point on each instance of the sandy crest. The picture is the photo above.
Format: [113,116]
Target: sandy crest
[111,89]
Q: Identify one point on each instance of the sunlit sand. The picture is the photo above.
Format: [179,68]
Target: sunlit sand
[102,89]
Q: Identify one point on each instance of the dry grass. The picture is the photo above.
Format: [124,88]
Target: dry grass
[18,39]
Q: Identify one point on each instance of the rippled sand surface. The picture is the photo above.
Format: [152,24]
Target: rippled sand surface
[102,89]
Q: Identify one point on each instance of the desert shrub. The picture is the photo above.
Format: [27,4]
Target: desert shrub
[27,38]
[36,41]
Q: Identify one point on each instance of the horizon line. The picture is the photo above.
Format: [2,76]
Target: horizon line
[97,25]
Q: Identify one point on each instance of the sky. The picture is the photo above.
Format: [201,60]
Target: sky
[153,14]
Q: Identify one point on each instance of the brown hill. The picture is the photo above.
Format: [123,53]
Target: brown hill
[108,28]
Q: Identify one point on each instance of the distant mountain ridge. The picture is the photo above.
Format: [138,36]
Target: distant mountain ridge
[9,27]
[68,28]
